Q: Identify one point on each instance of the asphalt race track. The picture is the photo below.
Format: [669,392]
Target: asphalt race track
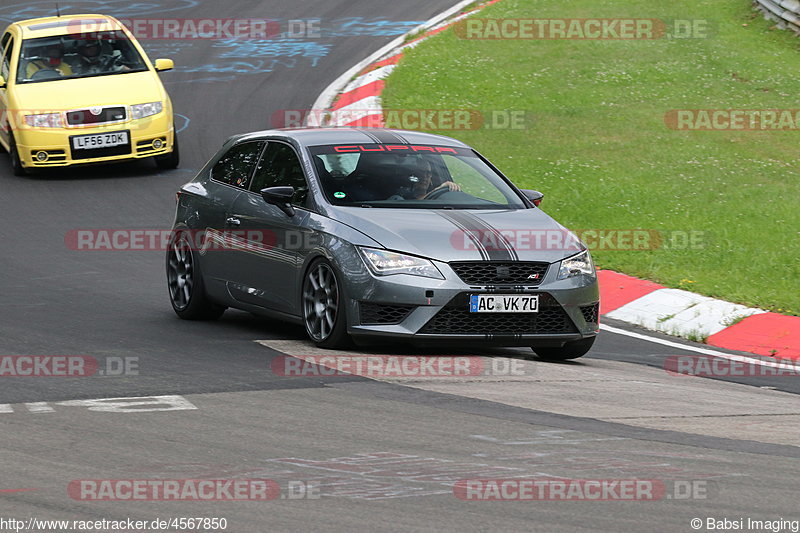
[384,454]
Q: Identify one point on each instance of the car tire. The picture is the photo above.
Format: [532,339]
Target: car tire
[171,160]
[185,283]
[16,162]
[323,307]
[570,350]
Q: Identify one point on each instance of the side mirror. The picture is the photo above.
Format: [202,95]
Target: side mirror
[2,82]
[281,197]
[535,197]
[163,65]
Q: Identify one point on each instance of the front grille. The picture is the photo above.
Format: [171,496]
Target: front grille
[372,314]
[456,319]
[590,312]
[80,117]
[500,273]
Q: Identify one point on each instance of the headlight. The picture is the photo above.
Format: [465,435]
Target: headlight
[383,263]
[146,110]
[576,265]
[48,120]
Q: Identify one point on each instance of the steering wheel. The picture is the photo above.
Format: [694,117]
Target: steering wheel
[436,193]
[45,74]
[111,62]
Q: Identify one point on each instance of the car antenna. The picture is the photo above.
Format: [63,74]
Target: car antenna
[58,11]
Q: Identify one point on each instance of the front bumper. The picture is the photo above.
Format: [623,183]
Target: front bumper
[55,142]
[429,311]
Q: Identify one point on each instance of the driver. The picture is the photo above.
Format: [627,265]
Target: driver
[421,184]
[51,58]
[89,57]
[92,60]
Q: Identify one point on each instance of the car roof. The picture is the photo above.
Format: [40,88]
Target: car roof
[66,25]
[325,136]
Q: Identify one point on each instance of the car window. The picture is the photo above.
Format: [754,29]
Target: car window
[237,165]
[339,165]
[280,166]
[77,56]
[5,68]
[411,176]
[471,181]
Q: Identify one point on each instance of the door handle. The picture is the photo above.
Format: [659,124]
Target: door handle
[233,221]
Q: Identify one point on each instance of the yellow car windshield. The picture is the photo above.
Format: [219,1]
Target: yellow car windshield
[79,56]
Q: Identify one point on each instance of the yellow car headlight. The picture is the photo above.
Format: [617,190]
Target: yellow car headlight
[47,120]
[145,110]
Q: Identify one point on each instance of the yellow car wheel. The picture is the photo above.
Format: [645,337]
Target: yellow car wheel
[16,163]
[170,160]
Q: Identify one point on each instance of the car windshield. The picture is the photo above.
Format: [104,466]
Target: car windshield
[77,56]
[408,176]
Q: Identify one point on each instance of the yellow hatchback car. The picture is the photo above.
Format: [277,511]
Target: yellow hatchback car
[79,89]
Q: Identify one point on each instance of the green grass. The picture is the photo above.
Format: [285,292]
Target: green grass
[596,143]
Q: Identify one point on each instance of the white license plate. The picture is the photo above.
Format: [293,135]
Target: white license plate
[102,140]
[504,303]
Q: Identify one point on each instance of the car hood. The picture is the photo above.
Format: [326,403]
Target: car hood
[114,89]
[465,235]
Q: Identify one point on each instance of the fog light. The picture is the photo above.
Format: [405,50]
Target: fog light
[157,144]
[41,156]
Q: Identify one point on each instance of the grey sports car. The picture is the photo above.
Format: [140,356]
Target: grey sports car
[369,234]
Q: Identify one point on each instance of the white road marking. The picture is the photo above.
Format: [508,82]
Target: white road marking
[682,313]
[370,77]
[39,407]
[134,405]
[356,111]
[706,351]
[142,404]
[545,439]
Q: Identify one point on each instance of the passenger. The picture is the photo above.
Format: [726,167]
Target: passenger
[50,59]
